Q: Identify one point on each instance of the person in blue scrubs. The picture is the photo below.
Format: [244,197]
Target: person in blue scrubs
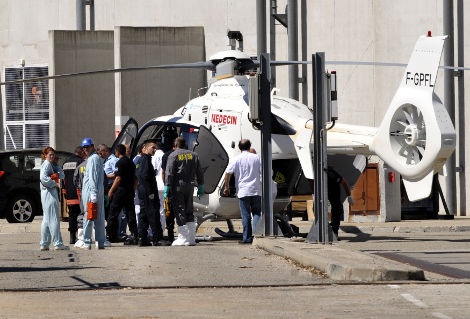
[93,191]
[50,175]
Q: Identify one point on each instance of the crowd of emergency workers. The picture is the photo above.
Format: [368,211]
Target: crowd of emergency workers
[110,193]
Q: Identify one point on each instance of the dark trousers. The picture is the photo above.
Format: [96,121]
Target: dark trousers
[337,211]
[107,208]
[150,216]
[170,224]
[182,204]
[74,211]
[121,199]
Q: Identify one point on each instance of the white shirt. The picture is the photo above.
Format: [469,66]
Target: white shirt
[157,165]
[247,170]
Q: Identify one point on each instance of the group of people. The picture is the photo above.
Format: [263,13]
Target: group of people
[246,167]
[101,188]
[137,189]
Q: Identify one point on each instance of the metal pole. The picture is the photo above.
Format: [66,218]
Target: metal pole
[2,137]
[303,30]
[293,48]
[449,98]
[81,14]
[272,39]
[461,106]
[261,26]
[266,149]
[319,232]
[92,14]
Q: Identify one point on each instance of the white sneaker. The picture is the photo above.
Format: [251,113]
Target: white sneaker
[78,243]
[44,248]
[83,246]
[80,234]
[61,247]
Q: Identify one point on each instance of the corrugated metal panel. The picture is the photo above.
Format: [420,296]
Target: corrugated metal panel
[26,108]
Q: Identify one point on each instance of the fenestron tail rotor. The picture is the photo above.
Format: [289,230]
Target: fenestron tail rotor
[408,134]
[416,135]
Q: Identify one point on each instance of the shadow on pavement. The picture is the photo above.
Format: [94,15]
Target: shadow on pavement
[31,269]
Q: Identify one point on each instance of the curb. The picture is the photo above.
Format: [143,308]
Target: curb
[396,229]
[338,263]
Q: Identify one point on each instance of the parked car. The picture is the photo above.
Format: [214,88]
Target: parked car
[20,196]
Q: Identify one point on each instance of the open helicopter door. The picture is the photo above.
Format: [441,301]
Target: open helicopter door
[213,158]
[127,134]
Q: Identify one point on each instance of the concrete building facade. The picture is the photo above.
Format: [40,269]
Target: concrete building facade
[353,30]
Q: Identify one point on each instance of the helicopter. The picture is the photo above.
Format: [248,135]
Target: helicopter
[415,138]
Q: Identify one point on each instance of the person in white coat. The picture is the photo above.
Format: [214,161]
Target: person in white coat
[50,175]
[93,192]
[157,165]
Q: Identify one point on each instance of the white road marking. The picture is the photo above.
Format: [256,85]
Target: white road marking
[394,286]
[415,301]
[440,315]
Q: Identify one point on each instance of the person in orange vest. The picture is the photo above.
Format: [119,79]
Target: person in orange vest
[71,192]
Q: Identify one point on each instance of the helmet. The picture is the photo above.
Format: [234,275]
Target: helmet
[87,142]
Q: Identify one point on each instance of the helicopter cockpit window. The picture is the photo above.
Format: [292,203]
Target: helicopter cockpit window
[190,135]
[280,126]
[166,133]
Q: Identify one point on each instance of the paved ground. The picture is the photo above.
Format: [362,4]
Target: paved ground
[223,279]
[210,264]
[438,253]
[316,301]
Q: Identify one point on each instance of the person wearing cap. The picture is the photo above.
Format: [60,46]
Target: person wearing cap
[93,192]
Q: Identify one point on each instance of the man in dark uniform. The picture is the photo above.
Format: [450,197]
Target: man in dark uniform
[121,196]
[148,197]
[183,172]
[70,190]
[334,196]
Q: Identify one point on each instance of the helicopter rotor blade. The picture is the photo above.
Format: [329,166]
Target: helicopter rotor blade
[194,65]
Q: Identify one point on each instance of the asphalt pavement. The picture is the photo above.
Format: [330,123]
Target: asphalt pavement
[417,250]
[219,278]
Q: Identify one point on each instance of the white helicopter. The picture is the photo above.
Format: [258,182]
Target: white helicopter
[415,137]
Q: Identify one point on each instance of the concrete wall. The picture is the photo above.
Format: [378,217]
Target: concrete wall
[81,106]
[365,30]
[147,94]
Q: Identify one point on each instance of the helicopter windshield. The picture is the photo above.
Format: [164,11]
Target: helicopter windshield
[166,133]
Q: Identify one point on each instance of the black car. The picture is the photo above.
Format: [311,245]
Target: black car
[20,195]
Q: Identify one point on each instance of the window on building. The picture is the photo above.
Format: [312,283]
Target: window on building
[26,120]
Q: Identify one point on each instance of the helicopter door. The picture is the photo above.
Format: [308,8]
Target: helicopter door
[213,158]
[127,134]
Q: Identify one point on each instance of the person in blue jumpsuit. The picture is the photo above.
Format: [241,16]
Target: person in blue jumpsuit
[50,227]
[93,191]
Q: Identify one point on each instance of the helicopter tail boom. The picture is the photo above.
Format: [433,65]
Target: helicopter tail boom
[416,136]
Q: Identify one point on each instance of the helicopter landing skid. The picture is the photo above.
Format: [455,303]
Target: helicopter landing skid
[228,234]
[231,231]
